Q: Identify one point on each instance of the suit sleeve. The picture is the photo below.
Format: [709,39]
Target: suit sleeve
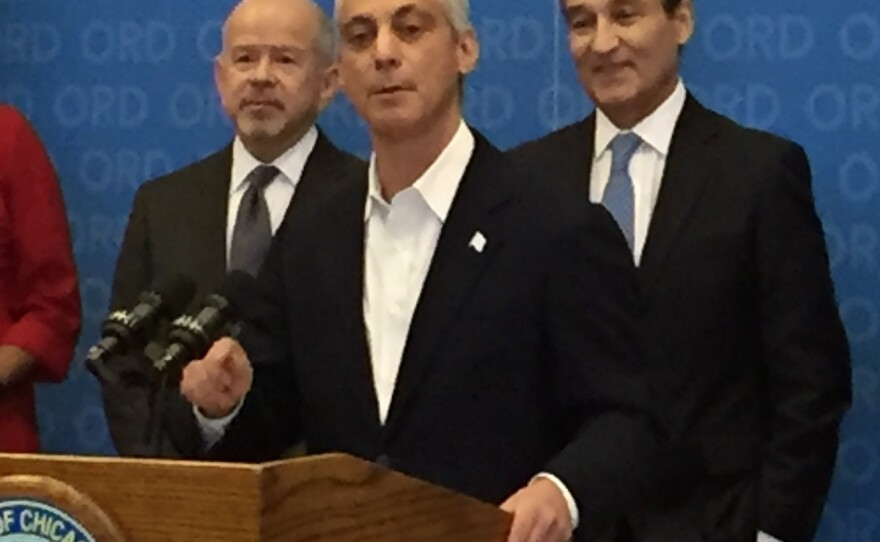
[127,404]
[133,272]
[593,306]
[268,423]
[807,363]
[50,311]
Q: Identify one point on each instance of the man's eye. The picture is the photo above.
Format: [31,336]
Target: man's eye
[625,15]
[580,23]
[359,39]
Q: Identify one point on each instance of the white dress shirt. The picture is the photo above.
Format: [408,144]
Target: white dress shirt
[646,169]
[647,164]
[401,236]
[400,240]
[279,192]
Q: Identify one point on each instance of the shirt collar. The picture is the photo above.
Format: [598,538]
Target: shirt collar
[439,183]
[656,129]
[291,163]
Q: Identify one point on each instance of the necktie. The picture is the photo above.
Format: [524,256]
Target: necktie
[252,233]
[618,197]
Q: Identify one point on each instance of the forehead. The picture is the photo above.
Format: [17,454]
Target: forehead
[598,5]
[271,27]
[347,10]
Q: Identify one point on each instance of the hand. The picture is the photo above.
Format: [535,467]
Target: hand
[219,381]
[540,513]
[14,362]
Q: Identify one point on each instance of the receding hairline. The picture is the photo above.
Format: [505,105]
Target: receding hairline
[323,40]
[670,6]
[458,15]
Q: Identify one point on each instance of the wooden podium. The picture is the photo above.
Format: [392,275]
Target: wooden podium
[329,497]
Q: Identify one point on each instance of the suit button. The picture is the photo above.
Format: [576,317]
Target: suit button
[383,461]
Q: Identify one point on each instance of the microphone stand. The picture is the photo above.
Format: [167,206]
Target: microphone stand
[158,401]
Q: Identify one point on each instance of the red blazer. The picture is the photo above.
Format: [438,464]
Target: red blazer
[39,299]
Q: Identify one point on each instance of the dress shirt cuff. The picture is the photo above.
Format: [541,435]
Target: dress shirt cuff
[764,537]
[213,429]
[569,498]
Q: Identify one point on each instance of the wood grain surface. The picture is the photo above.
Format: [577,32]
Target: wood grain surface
[332,497]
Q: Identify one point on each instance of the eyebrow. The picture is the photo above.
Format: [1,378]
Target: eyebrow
[283,48]
[573,10]
[358,20]
[618,3]
[402,11]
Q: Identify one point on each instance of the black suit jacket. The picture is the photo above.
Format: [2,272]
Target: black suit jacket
[178,226]
[519,359]
[741,321]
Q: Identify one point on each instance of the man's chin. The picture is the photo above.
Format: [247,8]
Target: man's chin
[613,99]
[393,125]
[260,132]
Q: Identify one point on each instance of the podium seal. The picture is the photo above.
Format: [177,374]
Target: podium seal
[42,509]
[26,520]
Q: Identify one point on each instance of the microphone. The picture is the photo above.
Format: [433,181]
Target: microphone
[127,330]
[192,336]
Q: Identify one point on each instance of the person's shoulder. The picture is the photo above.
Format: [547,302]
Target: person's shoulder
[16,129]
[12,118]
[557,141]
[549,200]
[336,160]
[190,176]
[752,144]
[345,160]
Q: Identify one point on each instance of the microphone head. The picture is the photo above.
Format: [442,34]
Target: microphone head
[174,292]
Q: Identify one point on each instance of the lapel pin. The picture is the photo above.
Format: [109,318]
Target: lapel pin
[478,242]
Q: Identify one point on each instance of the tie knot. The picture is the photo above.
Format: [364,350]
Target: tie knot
[623,147]
[261,176]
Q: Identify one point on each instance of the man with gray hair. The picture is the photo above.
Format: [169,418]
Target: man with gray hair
[275,73]
[443,315]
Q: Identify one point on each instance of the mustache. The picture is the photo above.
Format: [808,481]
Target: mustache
[264,102]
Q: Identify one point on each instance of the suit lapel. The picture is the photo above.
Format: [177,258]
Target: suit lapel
[688,166]
[455,269]
[209,230]
[342,270]
[584,139]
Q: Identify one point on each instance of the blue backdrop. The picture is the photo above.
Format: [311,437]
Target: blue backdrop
[121,91]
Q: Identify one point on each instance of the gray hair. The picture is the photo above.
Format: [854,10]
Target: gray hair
[327,39]
[457,11]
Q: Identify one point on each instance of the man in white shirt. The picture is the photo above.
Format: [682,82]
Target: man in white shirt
[741,318]
[450,318]
[274,75]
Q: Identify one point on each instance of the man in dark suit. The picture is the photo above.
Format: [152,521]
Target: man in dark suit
[275,73]
[741,318]
[451,318]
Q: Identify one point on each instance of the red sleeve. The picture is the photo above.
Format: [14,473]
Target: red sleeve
[45,272]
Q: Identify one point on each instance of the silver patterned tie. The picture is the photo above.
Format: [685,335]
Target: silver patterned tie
[252,234]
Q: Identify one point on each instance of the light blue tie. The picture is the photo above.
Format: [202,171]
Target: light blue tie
[618,196]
